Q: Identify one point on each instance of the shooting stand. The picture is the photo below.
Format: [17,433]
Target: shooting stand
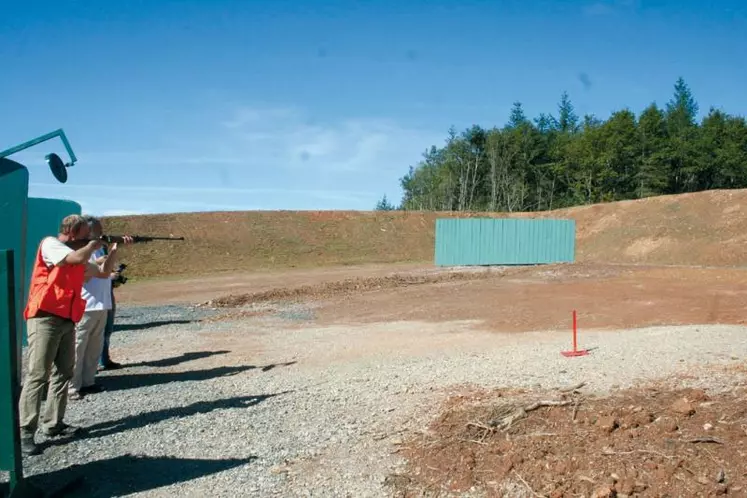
[14,193]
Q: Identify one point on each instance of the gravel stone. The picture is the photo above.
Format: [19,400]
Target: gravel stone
[275,406]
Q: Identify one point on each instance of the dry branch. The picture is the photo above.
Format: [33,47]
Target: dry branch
[506,415]
[705,439]
[570,389]
[609,452]
[540,404]
[534,493]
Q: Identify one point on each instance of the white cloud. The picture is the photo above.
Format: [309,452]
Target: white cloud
[250,157]
[120,212]
[244,116]
[285,138]
[105,206]
[132,199]
[288,138]
[130,190]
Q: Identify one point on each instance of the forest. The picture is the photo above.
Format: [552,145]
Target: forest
[552,162]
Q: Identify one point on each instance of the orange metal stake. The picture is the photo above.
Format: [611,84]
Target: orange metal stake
[575,351]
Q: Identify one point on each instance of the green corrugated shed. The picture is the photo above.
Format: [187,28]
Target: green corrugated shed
[504,241]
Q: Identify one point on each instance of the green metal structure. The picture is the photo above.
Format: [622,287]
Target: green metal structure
[36,141]
[14,205]
[14,184]
[504,241]
[10,444]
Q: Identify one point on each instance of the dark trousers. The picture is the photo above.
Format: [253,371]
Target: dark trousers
[105,358]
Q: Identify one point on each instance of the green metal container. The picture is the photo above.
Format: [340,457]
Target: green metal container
[504,241]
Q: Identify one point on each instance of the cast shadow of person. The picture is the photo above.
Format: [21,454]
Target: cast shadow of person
[118,382]
[140,420]
[128,474]
[121,327]
[176,360]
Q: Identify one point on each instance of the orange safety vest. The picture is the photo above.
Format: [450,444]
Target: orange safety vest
[56,290]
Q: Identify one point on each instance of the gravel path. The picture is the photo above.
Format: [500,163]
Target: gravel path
[274,406]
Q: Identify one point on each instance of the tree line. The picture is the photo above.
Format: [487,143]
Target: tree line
[552,162]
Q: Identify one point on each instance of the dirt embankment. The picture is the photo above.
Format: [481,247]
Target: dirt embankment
[705,228]
[644,442]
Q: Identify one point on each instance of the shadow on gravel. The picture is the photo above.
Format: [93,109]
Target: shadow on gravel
[127,474]
[267,368]
[118,382]
[176,360]
[103,429]
[148,325]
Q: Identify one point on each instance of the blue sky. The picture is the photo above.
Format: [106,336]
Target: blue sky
[231,105]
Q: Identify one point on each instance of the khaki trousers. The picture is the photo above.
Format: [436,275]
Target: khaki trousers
[89,341]
[51,357]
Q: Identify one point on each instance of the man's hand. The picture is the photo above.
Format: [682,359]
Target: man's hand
[126,239]
[95,244]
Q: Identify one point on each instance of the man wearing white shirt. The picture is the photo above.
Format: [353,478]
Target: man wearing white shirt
[89,332]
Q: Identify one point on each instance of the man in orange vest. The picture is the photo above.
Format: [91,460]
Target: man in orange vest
[54,306]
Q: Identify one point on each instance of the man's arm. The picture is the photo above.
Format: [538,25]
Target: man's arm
[56,253]
[103,266]
[106,270]
[111,258]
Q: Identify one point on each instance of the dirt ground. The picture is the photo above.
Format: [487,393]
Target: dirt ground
[542,298]
[192,290]
[642,442]
[514,300]
[703,228]
[647,441]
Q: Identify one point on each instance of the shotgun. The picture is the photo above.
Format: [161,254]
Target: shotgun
[110,239]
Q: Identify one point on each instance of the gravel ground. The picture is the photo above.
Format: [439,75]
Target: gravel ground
[275,406]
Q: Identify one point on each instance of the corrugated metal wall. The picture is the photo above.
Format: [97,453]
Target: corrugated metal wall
[504,241]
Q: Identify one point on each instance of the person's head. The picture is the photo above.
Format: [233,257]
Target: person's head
[74,227]
[94,224]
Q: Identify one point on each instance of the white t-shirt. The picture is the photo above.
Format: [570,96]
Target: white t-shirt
[54,251]
[97,292]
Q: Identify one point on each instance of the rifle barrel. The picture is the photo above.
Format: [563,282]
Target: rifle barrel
[136,238]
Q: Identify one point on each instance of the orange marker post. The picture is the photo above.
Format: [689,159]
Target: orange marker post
[575,351]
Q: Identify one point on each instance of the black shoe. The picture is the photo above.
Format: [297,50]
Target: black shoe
[29,447]
[95,388]
[111,365]
[61,430]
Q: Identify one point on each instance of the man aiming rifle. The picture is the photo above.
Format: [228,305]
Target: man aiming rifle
[105,360]
[94,332]
[55,305]
[89,331]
